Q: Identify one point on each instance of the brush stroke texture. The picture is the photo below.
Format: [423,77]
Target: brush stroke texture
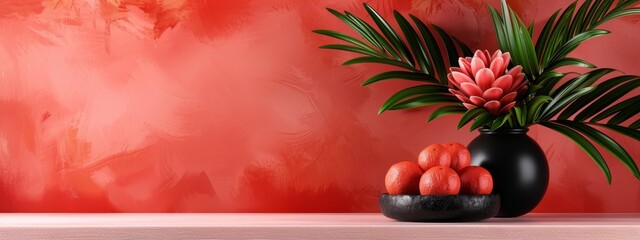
[229,106]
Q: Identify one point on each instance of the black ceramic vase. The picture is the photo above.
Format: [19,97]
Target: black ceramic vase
[518,166]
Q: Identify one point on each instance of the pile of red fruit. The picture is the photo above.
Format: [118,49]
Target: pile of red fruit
[442,169]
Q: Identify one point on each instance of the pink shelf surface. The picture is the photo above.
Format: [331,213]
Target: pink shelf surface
[311,226]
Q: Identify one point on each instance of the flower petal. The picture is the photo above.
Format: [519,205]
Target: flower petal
[462,98]
[496,66]
[505,83]
[496,54]
[518,79]
[515,71]
[469,106]
[457,69]
[522,90]
[507,58]
[460,78]
[493,93]
[487,56]
[466,65]
[509,98]
[478,101]
[485,78]
[506,108]
[476,65]
[517,88]
[453,91]
[460,95]
[452,81]
[479,54]
[470,89]
[492,107]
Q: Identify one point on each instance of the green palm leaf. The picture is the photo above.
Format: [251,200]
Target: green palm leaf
[390,34]
[580,82]
[628,131]
[425,52]
[346,38]
[513,37]
[577,25]
[452,53]
[500,121]
[433,47]
[436,92]
[404,75]
[482,120]
[546,83]
[618,14]
[627,111]
[535,107]
[593,95]
[559,103]
[606,100]
[521,115]
[561,34]
[363,29]
[557,36]
[415,44]
[352,49]
[425,100]
[606,142]
[386,61]
[572,44]
[446,110]
[418,52]
[570,62]
[470,115]
[584,144]
[543,39]
[626,106]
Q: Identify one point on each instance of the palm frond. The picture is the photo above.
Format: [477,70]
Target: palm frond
[584,144]
[604,141]
[560,37]
[563,32]
[576,108]
[514,37]
[468,116]
[601,88]
[628,131]
[404,75]
[623,110]
[600,103]
[429,93]
[391,35]
[446,110]
[418,54]
[425,100]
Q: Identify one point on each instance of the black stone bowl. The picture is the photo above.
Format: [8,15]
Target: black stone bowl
[455,208]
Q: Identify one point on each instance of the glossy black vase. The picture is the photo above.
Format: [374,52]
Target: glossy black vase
[518,166]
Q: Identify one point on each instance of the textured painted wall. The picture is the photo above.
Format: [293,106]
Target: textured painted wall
[208,106]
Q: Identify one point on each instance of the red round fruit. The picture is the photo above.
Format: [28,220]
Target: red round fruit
[434,155]
[440,180]
[403,178]
[475,181]
[460,156]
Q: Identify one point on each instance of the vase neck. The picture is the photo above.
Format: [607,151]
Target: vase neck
[504,131]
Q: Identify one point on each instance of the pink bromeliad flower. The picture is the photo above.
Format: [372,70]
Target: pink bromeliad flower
[483,81]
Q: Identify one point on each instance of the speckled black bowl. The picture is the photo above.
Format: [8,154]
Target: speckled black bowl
[457,208]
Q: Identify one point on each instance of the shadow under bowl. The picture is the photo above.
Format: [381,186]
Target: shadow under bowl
[454,208]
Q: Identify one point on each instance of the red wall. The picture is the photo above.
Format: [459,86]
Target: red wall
[225,106]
